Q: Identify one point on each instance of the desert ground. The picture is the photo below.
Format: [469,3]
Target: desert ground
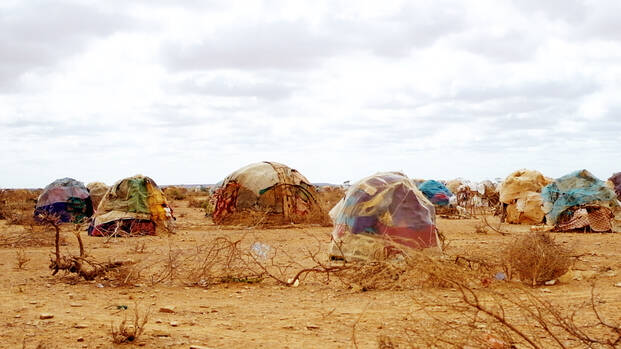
[41,310]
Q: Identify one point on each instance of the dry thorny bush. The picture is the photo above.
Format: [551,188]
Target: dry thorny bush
[224,260]
[129,332]
[536,258]
[507,317]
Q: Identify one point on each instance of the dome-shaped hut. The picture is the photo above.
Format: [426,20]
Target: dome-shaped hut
[132,206]
[385,205]
[67,198]
[267,193]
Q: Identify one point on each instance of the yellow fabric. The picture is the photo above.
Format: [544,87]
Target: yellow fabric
[155,200]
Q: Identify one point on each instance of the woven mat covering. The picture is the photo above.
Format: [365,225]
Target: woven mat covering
[598,220]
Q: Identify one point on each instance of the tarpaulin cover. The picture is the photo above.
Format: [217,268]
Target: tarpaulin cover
[136,198]
[520,193]
[436,192]
[616,183]
[66,197]
[386,204]
[575,189]
[267,187]
[520,182]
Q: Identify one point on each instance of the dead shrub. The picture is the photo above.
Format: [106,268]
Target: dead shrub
[21,259]
[139,247]
[176,193]
[480,229]
[127,333]
[204,204]
[410,270]
[511,317]
[17,205]
[536,258]
[128,274]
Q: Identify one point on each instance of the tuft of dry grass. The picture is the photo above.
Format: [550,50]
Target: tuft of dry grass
[21,259]
[536,258]
[204,204]
[128,333]
[176,193]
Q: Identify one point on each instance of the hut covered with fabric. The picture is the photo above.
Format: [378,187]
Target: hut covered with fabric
[520,195]
[267,193]
[379,211]
[132,206]
[579,200]
[66,198]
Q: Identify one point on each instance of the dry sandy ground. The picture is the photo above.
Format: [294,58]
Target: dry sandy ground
[237,315]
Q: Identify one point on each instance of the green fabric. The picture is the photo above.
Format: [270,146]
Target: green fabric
[264,190]
[78,209]
[137,196]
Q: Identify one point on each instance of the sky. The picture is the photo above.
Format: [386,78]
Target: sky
[189,91]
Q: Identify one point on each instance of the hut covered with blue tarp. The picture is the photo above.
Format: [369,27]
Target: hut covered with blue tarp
[436,192]
[578,200]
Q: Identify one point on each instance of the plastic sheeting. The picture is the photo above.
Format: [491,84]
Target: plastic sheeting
[386,204]
[67,198]
[575,189]
[520,192]
[135,198]
[519,182]
[436,192]
[60,190]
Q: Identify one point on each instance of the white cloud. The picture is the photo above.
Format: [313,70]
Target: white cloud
[187,92]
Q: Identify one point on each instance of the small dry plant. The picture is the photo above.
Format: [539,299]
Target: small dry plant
[480,228]
[536,258]
[139,247]
[512,317]
[126,332]
[21,259]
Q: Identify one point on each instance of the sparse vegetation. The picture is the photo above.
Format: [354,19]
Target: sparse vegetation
[129,332]
[456,299]
[204,204]
[21,259]
[536,258]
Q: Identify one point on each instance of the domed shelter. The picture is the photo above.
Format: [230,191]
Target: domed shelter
[520,194]
[579,200]
[267,193]
[96,190]
[132,206]
[436,192]
[67,198]
[386,205]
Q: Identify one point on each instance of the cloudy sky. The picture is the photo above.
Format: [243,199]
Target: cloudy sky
[189,91]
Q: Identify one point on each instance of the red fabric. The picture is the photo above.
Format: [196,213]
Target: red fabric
[125,227]
[407,236]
